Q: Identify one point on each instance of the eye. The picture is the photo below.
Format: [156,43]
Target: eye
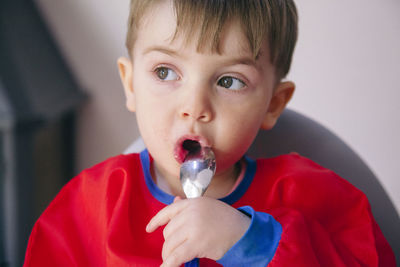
[231,83]
[166,74]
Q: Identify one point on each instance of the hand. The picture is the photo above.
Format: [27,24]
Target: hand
[198,228]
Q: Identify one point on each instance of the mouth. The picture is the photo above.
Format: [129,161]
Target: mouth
[188,147]
[192,147]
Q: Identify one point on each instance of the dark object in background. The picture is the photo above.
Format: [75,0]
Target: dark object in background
[38,99]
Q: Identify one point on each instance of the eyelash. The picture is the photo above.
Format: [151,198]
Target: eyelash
[233,81]
[236,79]
[168,69]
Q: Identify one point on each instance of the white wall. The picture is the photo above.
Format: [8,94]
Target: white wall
[346,67]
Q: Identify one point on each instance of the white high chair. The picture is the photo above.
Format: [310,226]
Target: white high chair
[297,133]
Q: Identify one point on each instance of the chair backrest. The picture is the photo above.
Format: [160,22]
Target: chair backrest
[297,133]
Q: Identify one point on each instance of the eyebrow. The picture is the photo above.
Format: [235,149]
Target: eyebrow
[160,49]
[249,61]
[243,61]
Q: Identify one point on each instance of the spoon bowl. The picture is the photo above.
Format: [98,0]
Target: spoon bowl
[197,172]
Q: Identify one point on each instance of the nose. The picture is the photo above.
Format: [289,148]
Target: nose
[197,105]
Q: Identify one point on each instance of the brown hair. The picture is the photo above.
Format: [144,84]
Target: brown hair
[275,20]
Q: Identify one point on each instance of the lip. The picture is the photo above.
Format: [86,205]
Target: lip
[180,153]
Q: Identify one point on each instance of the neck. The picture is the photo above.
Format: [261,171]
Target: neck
[167,183]
[221,184]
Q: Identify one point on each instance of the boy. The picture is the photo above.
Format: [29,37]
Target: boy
[209,73]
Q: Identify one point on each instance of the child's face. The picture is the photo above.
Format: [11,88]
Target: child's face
[178,93]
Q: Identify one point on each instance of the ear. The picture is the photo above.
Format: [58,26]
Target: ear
[125,72]
[282,94]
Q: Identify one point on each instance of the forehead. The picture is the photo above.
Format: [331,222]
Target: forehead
[158,26]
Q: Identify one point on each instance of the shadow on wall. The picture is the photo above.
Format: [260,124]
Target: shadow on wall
[92,38]
[38,99]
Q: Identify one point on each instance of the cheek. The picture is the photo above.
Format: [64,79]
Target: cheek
[154,120]
[242,138]
[150,124]
[235,140]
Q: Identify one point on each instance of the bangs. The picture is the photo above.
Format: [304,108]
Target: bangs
[202,21]
[205,20]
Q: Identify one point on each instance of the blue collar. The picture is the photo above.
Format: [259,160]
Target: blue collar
[168,199]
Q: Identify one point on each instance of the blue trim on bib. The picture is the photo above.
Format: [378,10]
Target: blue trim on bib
[258,245]
[168,199]
[151,185]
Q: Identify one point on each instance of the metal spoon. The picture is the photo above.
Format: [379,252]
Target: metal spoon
[197,171]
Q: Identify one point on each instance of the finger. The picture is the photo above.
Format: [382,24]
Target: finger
[181,254]
[172,243]
[165,215]
[175,233]
[176,224]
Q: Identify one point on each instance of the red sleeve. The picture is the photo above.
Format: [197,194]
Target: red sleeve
[99,219]
[326,222]
[64,234]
